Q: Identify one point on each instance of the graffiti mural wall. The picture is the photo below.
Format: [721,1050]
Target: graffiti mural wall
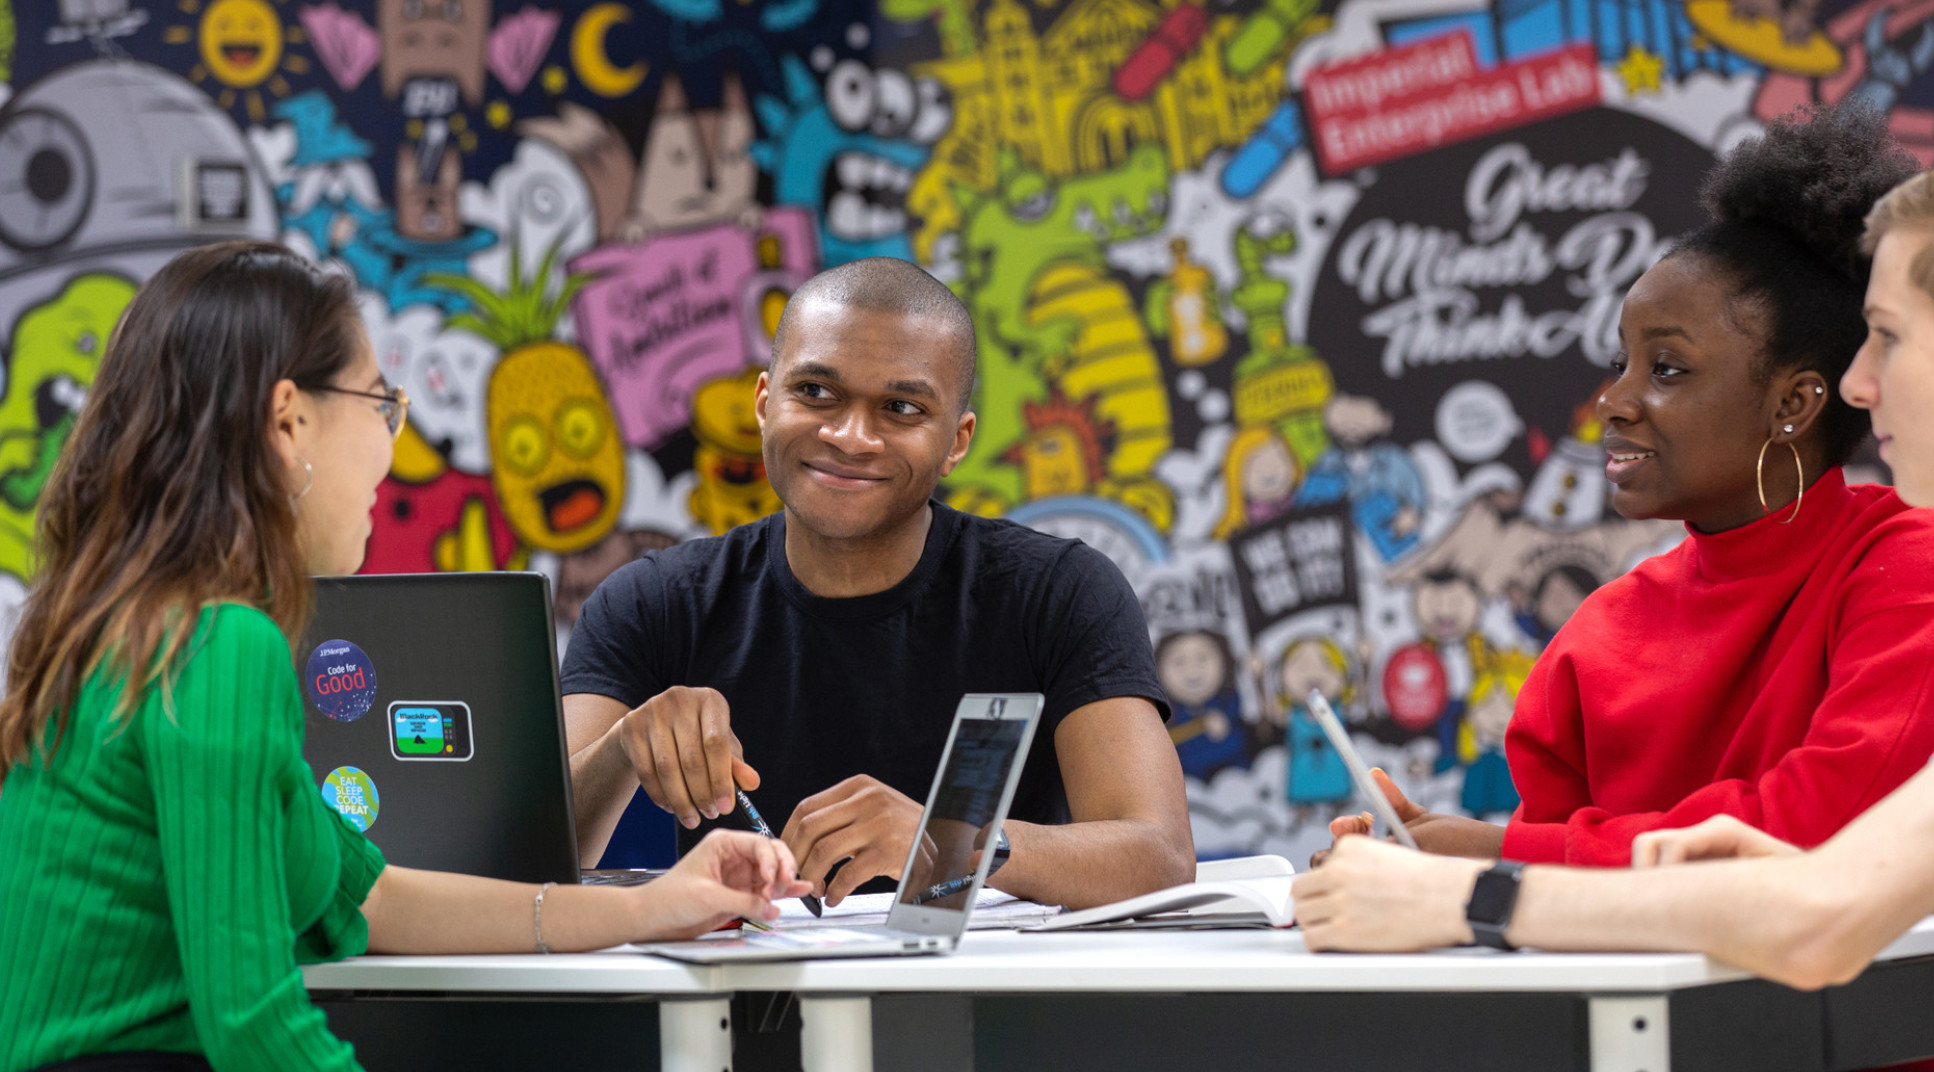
[1296,310]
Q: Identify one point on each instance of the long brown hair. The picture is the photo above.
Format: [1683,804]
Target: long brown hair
[170,495]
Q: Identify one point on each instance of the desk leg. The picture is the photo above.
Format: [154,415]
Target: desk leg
[836,1033]
[1630,1035]
[695,1034]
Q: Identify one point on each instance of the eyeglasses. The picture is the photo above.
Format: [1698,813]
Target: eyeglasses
[395,406]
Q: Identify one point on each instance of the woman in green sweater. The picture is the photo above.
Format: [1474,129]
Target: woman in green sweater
[166,859]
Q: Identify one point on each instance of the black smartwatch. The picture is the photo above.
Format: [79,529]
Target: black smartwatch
[1492,899]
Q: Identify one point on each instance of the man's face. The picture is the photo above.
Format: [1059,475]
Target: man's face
[1893,374]
[861,418]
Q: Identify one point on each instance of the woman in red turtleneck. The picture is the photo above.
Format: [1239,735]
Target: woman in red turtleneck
[1781,674]
[1777,666]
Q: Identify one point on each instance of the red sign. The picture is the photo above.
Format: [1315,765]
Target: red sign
[1403,101]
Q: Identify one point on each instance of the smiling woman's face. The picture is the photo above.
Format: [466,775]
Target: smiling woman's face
[1686,416]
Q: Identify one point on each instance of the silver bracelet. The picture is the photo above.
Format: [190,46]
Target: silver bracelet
[537,917]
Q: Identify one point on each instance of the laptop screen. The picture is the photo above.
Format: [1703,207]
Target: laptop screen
[970,797]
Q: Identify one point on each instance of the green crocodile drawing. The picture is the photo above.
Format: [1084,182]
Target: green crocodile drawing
[1050,315]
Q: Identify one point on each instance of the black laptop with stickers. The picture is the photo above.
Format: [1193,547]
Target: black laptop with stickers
[432,721]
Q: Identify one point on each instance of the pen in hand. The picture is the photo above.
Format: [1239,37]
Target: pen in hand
[940,891]
[759,826]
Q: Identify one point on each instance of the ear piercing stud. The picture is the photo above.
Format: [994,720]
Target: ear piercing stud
[1819,390]
[1789,429]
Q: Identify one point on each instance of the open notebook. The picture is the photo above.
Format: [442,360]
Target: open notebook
[1252,891]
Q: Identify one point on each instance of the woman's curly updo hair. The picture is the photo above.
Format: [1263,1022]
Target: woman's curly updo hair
[1787,211]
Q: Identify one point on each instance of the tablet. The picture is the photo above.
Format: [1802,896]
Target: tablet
[1319,708]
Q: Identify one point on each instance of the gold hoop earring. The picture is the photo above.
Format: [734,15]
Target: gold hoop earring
[293,499]
[1759,479]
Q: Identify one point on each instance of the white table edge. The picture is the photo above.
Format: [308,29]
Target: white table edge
[1009,962]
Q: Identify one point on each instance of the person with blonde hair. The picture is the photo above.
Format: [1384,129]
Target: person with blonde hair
[1480,734]
[1722,888]
[1261,476]
[1317,775]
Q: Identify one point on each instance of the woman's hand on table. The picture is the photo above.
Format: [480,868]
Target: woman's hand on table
[728,875]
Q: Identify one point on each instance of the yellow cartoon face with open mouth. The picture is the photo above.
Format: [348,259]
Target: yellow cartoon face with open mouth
[241,41]
[555,448]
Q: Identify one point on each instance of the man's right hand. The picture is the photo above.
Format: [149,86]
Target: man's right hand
[681,745]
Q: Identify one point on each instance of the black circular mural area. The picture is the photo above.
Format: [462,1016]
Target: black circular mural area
[1482,260]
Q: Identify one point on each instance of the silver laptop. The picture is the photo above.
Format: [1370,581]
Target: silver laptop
[971,792]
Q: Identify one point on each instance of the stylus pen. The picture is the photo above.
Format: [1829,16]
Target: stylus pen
[941,890]
[759,825]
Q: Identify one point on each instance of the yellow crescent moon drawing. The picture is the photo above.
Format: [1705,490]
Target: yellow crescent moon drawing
[589,57]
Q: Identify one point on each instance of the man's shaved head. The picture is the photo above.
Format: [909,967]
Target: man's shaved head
[890,285]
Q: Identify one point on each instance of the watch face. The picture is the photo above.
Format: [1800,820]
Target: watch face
[1493,896]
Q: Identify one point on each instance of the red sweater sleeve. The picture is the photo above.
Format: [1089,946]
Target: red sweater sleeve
[1545,746]
[1872,730]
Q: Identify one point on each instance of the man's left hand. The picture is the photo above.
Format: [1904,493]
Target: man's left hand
[861,820]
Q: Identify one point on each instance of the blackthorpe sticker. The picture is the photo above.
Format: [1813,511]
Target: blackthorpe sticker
[430,729]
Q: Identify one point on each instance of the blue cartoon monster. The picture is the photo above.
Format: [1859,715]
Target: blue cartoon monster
[332,198]
[849,152]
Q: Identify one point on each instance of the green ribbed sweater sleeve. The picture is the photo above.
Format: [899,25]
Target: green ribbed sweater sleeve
[229,782]
[341,931]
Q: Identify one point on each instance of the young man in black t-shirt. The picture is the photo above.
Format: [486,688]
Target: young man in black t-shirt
[817,655]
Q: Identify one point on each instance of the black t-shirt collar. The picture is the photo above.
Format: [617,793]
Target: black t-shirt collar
[940,539]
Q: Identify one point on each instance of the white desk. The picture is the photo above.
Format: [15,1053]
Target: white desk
[1048,999]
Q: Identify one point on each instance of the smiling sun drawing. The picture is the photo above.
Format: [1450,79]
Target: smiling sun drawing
[242,45]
